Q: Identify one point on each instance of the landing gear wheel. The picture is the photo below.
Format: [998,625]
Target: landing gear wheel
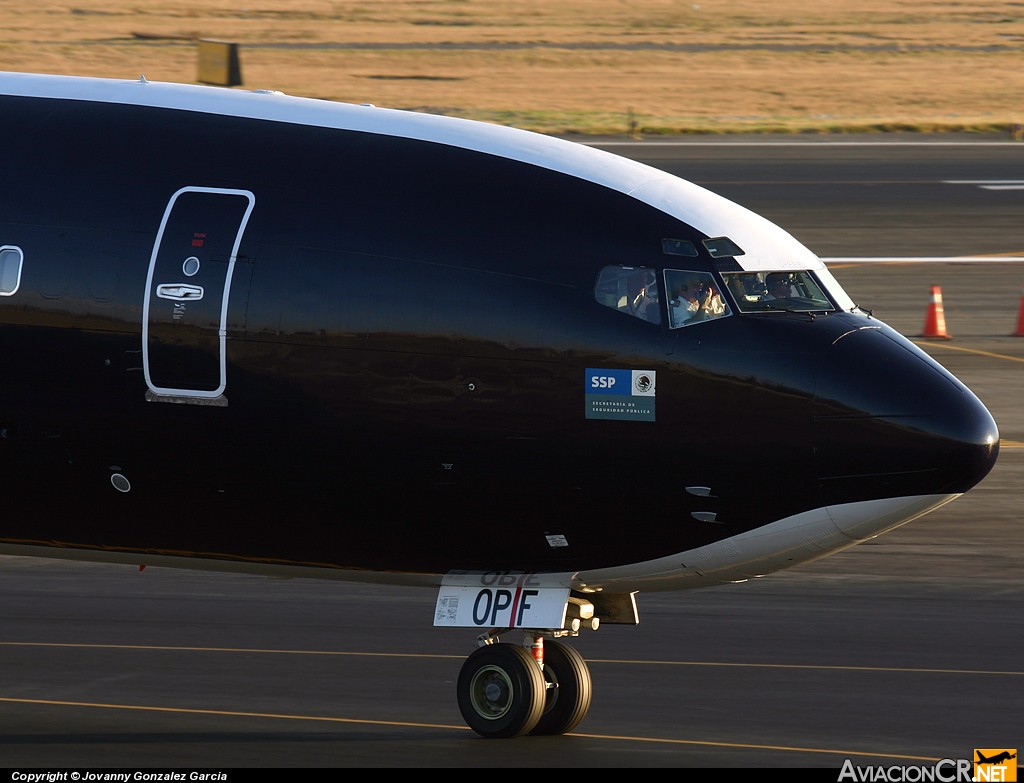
[569,690]
[501,691]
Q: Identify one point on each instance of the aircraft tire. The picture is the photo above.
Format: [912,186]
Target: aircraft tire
[501,691]
[569,689]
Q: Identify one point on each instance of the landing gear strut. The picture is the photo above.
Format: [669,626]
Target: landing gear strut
[507,690]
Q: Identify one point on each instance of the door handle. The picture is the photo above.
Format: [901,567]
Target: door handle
[179,292]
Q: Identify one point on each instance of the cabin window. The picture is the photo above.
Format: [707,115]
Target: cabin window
[694,297]
[630,290]
[10,269]
[773,292]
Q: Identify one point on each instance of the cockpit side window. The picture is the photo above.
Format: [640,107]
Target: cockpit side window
[630,290]
[767,292]
[694,297]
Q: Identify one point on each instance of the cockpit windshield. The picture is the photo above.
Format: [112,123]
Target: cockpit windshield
[691,297]
[766,292]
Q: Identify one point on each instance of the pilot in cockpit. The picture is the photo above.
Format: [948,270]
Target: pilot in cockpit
[645,302]
[698,299]
[684,305]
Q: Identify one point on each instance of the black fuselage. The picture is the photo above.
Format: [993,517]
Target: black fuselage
[407,332]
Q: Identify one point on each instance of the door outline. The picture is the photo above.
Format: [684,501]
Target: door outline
[205,394]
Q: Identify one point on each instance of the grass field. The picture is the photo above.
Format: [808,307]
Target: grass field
[586,66]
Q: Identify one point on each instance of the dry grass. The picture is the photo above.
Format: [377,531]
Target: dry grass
[573,65]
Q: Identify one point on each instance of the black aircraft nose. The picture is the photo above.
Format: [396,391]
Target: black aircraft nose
[890,421]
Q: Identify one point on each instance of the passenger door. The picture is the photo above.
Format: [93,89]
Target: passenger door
[184,316]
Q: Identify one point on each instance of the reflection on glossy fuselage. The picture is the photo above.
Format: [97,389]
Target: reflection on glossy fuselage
[839,429]
[379,377]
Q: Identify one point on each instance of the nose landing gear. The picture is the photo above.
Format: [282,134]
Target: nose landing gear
[505,691]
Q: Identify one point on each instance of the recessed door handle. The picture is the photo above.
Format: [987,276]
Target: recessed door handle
[179,292]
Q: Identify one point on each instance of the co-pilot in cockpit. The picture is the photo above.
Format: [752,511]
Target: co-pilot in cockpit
[760,292]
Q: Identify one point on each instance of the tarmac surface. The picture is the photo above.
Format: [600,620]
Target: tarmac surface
[902,651]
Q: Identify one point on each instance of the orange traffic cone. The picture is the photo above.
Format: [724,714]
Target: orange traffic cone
[1020,318]
[935,321]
